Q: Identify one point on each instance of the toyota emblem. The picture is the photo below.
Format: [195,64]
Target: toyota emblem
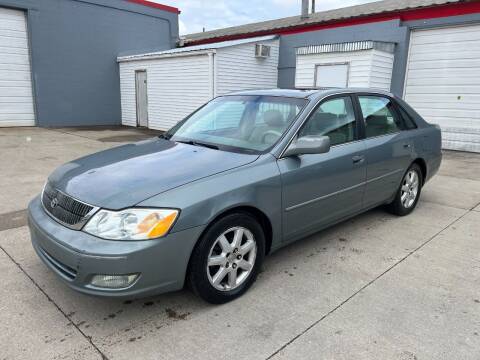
[54,203]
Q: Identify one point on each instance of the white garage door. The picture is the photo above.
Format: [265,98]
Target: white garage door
[443,82]
[16,100]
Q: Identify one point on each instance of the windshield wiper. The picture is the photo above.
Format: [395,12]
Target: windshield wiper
[196,143]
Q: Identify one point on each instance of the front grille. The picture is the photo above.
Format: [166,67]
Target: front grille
[64,208]
[65,270]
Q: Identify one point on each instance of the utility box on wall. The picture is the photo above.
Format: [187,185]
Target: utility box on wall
[354,64]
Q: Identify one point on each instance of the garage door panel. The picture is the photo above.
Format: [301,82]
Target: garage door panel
[471,114]
[16,99]
[443,104]
[454,47]
[443,73]
[450,55]
[443,82]
[18,116]
[14,26]
[14,75]
[13,50]
[446,81]
[445,36]
[13,42]
[445,123]
[20,59]
[16,108]
[429,89]
[443,64]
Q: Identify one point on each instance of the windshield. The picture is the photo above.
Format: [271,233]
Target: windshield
[249,123]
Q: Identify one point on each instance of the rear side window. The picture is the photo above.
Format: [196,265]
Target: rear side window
[379,115]
[407,119]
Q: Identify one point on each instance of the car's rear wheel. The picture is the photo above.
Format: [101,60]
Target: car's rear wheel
[408,193]
[227,259]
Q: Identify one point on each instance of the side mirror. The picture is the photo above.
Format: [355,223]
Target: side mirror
[308,145]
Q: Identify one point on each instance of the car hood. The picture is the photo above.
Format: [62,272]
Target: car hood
[128,174]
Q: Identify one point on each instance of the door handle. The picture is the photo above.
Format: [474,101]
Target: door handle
[358,159]
[406,146]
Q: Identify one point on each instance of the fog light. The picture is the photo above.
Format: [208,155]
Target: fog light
[113,281]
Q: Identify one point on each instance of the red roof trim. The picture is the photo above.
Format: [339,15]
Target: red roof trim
[406,15]
[156,5]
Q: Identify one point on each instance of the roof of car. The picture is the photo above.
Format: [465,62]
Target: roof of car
[308,93]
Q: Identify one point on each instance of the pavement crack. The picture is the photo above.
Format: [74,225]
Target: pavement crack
[284,346]
[88,338]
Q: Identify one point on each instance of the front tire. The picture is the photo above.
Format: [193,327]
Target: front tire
[408,193]
[227,259]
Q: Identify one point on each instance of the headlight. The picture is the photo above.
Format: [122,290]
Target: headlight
[131,224]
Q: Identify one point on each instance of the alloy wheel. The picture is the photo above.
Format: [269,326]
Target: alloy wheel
[231,258]
[410,187]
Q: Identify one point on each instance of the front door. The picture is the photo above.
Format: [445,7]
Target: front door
[319,189]
[141,97]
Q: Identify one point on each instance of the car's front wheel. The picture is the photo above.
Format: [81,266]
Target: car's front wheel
[408,193]
[227,259]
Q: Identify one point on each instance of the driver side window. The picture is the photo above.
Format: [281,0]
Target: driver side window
[334,118]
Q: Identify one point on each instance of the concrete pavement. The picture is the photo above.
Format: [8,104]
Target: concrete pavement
[374,287]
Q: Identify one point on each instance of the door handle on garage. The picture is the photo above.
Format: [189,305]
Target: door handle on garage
[358,159]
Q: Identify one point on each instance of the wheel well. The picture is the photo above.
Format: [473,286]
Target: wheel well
[423,166]
[258,215]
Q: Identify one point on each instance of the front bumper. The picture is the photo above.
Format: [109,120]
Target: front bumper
[76,257]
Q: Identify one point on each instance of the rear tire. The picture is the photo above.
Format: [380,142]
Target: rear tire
[408,193]
[227,258]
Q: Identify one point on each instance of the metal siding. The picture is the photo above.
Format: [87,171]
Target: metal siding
[176,87]
[16,97]
[381,71]
[368,68]
[443,82]
[239,69]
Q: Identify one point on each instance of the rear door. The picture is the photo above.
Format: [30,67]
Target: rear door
[388,148]
[318,189]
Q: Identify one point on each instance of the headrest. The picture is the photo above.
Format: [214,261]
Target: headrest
[376,120]
[325,116]
[273,118]
[322,121]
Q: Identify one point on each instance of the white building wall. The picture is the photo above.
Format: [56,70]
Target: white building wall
[367,68]
[381,71]
[237,68]
[176,87]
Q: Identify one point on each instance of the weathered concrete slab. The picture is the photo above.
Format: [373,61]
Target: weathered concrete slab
[428,307]
[462,165]
[298,285]
[410,311]
[29,155]
[31,327]
[453,191]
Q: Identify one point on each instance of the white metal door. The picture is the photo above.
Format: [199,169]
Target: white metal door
[331,75]
[142,99]
[443,82]
[16,99]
